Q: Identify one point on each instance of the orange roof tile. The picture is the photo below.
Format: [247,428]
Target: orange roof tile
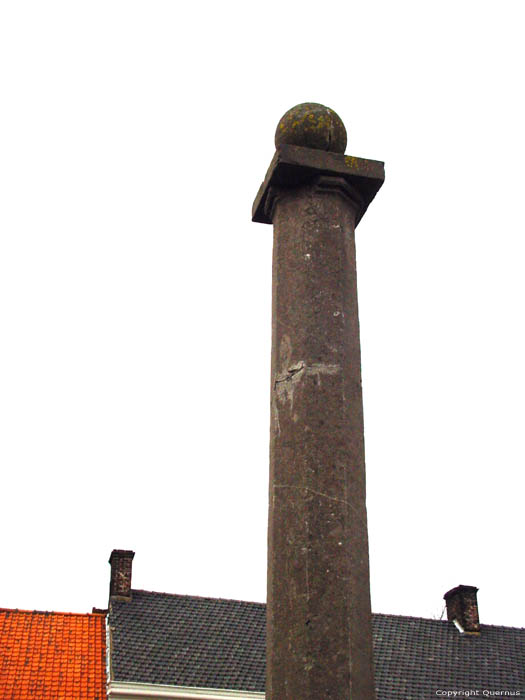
[52,656]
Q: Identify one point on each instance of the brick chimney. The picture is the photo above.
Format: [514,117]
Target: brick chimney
[462,608]
[120,582]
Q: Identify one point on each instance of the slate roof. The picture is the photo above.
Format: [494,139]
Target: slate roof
[52,656]
[185,640]
[214,643]
[416,657]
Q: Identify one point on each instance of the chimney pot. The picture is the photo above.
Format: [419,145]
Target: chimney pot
[462,607]
[120,582]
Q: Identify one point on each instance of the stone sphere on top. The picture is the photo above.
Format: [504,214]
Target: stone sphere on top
[313,126]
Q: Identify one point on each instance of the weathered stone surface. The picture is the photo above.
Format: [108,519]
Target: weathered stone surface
[292,166]
[318,610]
[318,588]
[312,125]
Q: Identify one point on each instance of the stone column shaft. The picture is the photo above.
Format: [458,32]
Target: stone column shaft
[318,609]
[318,579]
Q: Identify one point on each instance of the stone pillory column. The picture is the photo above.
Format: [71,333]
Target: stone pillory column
[319,618]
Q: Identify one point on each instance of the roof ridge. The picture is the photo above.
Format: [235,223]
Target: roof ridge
[50,612]
[407,617]
[431,619]
[199,597]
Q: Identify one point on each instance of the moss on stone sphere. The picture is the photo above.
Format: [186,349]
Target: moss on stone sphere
[313,126]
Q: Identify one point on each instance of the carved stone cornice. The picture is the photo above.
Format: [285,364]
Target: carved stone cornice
[294,166]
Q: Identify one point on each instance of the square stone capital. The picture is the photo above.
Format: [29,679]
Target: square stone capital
[293,166]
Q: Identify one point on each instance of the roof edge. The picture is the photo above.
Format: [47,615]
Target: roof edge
[199,597]
[443,621]
[50,612]
[123,690]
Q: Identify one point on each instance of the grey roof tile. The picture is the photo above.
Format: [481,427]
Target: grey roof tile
[186,640]
[214,643]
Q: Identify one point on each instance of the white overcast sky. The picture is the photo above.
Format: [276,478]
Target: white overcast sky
[135,291]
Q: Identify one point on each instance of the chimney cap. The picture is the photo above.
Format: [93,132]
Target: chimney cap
[460,589]
[121,553]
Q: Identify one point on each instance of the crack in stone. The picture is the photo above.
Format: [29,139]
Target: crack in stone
[292,371]
[284,385]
